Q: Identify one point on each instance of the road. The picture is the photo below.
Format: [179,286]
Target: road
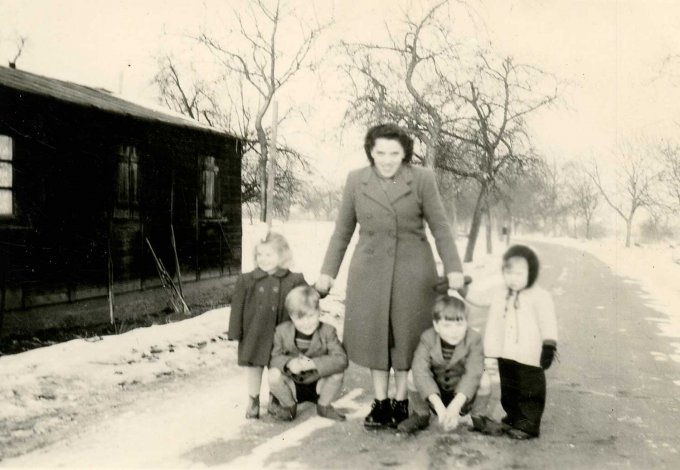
[613,402]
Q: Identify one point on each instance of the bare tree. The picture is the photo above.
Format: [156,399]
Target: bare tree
[469,112]
[670,177]
[256,53]
[584,194]
[635,180]
[221,103]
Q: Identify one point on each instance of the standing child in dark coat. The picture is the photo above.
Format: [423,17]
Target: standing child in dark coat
[308,361]
[257,306]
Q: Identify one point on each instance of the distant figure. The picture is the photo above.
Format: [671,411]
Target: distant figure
[257,306]
[521,331]
[389,288]
[308,361]
[447,374]
[506,234]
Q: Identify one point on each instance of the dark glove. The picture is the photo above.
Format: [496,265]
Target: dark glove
[442,286]
[548,354]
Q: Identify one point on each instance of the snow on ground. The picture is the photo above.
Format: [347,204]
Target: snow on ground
[43,388]
[655,268]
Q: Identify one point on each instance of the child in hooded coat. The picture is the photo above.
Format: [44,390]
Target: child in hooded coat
[521,332]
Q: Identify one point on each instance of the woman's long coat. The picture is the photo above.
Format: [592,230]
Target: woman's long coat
[389,287]
[257,306]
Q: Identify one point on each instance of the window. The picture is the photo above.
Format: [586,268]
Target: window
[127,197]
[6,176]
[209,187]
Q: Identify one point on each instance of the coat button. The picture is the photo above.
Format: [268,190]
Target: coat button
[276,288]
[261,289]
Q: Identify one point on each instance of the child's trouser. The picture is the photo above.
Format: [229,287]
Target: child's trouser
[523,392]
[475,405]
[288,392]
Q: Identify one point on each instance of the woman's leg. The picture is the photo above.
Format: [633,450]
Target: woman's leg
[381,380]
[381,410]
[401,384]
[400,402]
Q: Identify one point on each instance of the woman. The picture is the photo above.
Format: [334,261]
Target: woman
[391,275]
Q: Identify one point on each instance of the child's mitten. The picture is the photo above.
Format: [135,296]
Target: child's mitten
[548,353]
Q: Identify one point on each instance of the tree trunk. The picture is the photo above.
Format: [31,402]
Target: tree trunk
[474,225]
[489,245]
[588,229]
[262,140]
[629,227]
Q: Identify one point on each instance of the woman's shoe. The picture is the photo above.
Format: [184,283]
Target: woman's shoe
[518,434]
[253,410]
[399,412]
[380,415]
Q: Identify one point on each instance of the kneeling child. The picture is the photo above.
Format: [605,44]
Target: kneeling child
[447,374]
[307,361]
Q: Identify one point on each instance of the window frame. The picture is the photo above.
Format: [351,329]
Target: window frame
[12,187]
[209,178]
[126,204]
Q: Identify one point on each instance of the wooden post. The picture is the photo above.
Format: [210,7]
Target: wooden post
[272,165]
[3,292]
[110,274]
[172,235]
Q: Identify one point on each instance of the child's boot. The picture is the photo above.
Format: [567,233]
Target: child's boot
[329,412]
[486,426]
[414,423]
[253,410]
[380,415]
[286,413]
[399,412]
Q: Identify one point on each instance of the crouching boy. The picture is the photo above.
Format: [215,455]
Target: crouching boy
[307,361]
[447,374]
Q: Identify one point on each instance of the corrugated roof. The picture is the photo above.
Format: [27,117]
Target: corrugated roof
[93,97]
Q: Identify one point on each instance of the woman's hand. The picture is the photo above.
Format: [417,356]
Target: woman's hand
[456,280]
[323,284]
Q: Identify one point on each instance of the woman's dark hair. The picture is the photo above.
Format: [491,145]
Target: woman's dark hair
[388,131]
[523,251]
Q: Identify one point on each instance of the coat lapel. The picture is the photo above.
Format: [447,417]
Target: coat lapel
[315,346]
[371,188]
[401,186]
[437,354]
[460,351]
[289,337]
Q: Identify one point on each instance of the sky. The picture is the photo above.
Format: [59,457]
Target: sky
[608,53]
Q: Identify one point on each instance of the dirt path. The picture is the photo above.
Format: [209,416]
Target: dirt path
[612,402]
